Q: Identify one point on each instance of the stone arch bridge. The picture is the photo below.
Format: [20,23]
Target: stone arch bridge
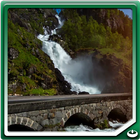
[51,113]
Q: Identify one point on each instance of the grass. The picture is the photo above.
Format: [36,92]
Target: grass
[14,71]
[121,55]
[25,41]
[52,126]
[105,124]
[42,92]
[26,80]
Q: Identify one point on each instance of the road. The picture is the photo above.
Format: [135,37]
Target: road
[24,99]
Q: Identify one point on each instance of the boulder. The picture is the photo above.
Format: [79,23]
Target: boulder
[59,76]
[54,37]
[100,123]
[74,92]
[83,93]
[12,53]
[64,86]
[51,24]
[12,87]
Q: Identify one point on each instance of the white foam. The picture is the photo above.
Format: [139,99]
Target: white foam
[115,124]
[76,72]
[87,128]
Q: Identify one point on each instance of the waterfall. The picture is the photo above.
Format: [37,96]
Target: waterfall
[78,72]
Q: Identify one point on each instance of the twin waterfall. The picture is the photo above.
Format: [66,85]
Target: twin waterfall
[75,71]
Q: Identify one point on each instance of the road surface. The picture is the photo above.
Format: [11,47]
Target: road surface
[24,99]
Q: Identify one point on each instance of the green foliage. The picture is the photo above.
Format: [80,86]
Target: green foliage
[26,80]
[10,91]
[30,55]
[52,125]
[11,38]
[14,71]
[80,33]
[35,26]
[108,13]
[40,91]
[125,56]
[105,124]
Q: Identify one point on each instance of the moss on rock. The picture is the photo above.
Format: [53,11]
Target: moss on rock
[31,67]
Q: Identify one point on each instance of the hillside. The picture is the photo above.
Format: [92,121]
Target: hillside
[112,18]
[106,34]
[32,72]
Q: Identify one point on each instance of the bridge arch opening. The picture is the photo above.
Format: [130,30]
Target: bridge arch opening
[117,115]
[17,127]
[77,119]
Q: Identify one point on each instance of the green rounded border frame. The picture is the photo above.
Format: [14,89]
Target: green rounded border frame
[134,5]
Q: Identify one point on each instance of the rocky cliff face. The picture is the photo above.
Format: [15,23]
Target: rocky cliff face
[33,19]
[30,70]
[113,18]
[107,17]
[111,74]
[112,68]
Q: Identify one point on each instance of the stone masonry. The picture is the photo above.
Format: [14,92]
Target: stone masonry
[54,119]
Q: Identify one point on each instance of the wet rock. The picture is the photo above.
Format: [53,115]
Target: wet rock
[64,86]
[60,77]
[100,123]
[54,37]
[51,24]
[74,92]
[83,93]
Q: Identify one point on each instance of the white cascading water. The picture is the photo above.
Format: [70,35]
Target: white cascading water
[81,127]
[76,72]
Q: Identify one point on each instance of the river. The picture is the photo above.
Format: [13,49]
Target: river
[81,127]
